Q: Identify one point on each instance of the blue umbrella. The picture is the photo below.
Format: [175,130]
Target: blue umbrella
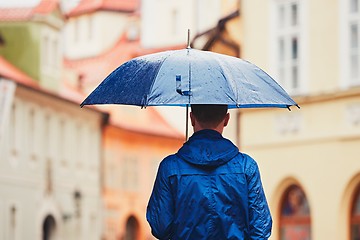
[190,76]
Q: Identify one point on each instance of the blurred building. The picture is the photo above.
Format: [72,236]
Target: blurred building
[54,183]
[309,158]
[100,36]
[134,148]
[165,23]
[50,151]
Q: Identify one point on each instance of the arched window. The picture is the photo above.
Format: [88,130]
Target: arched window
[132,229]
[355,216]
[295,215]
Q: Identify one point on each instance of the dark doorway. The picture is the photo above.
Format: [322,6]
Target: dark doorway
[132,229]
[49,228]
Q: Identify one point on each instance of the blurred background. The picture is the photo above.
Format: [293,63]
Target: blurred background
[72,173]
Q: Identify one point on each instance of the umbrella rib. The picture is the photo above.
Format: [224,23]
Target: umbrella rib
[233,89]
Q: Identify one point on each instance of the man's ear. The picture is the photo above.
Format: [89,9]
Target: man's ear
[192,118]
[226,119]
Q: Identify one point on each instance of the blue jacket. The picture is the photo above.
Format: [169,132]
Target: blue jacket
[208,190]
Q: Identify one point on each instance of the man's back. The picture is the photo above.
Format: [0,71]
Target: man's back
[209,190]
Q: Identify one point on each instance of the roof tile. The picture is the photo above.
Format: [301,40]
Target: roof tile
[22,14]
[89,6]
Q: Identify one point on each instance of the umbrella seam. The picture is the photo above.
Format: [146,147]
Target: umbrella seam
[277,90]
[225,78]
[157,72]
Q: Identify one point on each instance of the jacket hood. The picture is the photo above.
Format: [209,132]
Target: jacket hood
[208,148]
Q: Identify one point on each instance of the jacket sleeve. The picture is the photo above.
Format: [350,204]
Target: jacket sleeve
[260,222]
[160,209]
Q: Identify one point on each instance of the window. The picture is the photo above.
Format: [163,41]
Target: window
[61,147]
[81,148]
[45,51]
[49,228]
[50,52]
[288,42]
[13,223]
[353,28]
[206,14]
[93,145]
[55,53]
[175,22]
[132,228]
[13,129]
[16,130]
[354,6]
[295,215]
[31,134]
[130,168]
[46,136]
[112,169]
[76,32]
[355,216]
[90,28]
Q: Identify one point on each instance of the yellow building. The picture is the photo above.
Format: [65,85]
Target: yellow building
[309,158]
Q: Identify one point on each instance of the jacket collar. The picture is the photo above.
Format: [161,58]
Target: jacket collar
[208,148]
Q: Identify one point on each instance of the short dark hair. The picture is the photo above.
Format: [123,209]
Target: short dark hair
[209,114]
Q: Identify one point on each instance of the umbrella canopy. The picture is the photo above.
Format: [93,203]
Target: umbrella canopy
[190,76]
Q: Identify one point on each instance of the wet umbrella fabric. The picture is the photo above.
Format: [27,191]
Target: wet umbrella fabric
[189,76]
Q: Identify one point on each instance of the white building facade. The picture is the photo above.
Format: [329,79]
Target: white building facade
[49,168]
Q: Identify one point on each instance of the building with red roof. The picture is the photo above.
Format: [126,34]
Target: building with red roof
[43,8]
[50,149]
[32,37]
[123,144]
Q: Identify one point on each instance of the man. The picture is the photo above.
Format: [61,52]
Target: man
[208,189]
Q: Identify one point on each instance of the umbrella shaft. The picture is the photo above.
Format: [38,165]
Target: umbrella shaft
[187,123]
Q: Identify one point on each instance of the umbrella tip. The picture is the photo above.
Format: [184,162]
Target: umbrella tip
[288,107]
[188,39]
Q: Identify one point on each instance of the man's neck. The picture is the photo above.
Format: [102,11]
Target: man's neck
[219,129]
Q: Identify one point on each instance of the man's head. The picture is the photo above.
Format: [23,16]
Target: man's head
[209,116]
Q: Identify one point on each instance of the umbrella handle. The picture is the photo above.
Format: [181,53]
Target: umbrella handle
[178,87]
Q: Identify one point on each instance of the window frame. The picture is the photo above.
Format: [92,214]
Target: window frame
[289,33]
[346,20]
[354,219]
